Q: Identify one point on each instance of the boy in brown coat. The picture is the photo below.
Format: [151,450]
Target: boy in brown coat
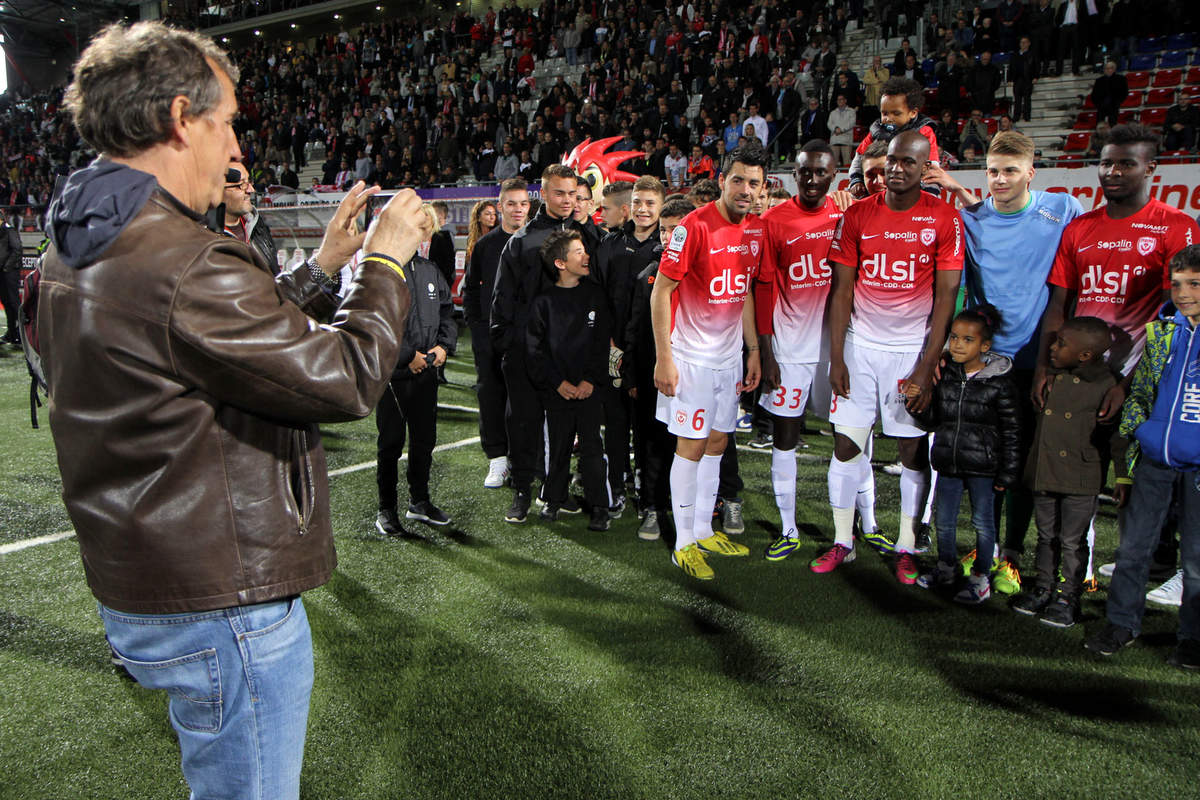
[1065,469]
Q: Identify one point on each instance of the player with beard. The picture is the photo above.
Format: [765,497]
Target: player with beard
[702,312]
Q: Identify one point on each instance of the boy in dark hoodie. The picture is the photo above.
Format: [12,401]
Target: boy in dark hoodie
[1064,467]
[567,349]
[899,110]
[1162,414]
[653,444]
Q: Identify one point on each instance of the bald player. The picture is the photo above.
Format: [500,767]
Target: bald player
[897,259]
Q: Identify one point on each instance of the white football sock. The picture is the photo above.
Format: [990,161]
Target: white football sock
[683,498]
[843,527]
[783,480]
[913,486]
[708,478]
[864,499]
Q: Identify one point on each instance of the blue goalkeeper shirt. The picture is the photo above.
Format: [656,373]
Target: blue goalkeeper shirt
[1007,262]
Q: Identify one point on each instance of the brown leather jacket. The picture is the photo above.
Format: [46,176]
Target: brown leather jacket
[186,388]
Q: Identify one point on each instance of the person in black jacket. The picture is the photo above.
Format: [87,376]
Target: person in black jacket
[478,284]
[521,278]
[441,246]
[410,401]
[619,256]
[1108,92]
[10,278]
[653,444]
[567,347]
[242,222]
[1024,71]
[975,424]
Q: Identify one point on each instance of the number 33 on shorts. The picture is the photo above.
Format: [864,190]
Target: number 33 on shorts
[780,398]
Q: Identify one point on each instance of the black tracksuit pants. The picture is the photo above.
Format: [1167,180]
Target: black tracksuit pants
[525,418]
[489,387]
[616,437]
[409,405]
[653,450]
[566,419]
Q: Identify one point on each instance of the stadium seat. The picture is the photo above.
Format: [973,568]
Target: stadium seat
[1196,58]
[1191,91]
[1076,142]
[1168,77]
[1137,80]
[1000,59]
[1143,62]
[1154,117]
[1160,97]
[1070,161]
[1180,41]
[992,126]
[927,66]
[859,133]
[1151,44]
[1176,58]
[962,123]
[1088,105]
[1132,101]
[1127,116]
[1086,121]
[1193,75]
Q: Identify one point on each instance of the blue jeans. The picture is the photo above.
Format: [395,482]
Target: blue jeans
[947,497]
[239,681]
[1154,485]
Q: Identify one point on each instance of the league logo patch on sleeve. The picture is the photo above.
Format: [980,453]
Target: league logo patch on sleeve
[678,237]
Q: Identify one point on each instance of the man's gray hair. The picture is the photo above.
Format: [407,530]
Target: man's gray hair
[127,78]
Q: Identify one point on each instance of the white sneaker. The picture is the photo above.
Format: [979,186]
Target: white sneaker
[1106,570]
[497,473]
[894,469]
[744,422]
[1170,593]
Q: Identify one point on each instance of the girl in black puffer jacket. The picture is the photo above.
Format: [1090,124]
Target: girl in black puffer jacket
[973,417]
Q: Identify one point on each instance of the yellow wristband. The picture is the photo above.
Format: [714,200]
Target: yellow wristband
[389,261]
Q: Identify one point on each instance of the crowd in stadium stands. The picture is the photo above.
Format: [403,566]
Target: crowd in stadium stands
[421,102]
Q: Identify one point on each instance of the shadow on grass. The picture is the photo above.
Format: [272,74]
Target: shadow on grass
[33,638]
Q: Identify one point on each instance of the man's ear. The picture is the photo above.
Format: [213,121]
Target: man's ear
[181,119]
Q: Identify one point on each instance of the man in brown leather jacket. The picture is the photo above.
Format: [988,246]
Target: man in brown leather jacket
[186,389]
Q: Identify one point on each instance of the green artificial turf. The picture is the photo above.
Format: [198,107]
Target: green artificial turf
[486,660]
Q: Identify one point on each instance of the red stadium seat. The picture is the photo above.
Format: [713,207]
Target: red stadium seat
[1126,117]
[1132,101]
[1076,142]
[1088,105]
[1193,75]
[859,133]
[1173,157]
[1168,77]
[1085,121]
[1071,162]
[961,124]
[1154,117]
[992,126]
[1160,97]
[1137,80]
[1191,91]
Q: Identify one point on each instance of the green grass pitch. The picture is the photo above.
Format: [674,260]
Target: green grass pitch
[496,661]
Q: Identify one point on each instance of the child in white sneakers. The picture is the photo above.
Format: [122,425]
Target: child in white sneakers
[974,421]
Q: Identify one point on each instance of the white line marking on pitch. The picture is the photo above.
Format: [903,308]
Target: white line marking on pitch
[49,538]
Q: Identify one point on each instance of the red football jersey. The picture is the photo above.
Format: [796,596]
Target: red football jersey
[896,254]
[794,278]
[715,262]
[1118,269]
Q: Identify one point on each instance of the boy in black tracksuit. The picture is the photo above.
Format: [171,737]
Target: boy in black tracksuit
[653,444]
[521,278]
[478,284]
[567,350]
[411,400]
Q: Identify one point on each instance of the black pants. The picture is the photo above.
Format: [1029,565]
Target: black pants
[730,486]
[409,405]
[489,388]
[10,296]
[566,419]
[616,437]
[1069,41]
[1017,503]
[1022,100]
[653,449]
[525,419]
